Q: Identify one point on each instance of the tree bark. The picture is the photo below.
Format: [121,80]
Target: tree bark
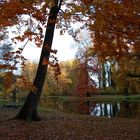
[29,108]
[103,76]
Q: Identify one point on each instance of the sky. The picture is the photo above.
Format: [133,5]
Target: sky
[62,43]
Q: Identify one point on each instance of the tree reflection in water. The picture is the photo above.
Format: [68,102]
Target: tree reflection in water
[122,109]
[105,109]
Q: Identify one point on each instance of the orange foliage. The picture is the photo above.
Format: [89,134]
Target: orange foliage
[87,2]
[8,80]
[114,26]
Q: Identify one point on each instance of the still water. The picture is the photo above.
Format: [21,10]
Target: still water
[123,109]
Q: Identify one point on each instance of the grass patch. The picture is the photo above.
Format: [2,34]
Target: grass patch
[131,98]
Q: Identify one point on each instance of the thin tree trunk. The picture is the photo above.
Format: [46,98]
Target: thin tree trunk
[29,109]
[103,76]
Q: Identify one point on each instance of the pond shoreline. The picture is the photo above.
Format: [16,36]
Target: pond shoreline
[95,98]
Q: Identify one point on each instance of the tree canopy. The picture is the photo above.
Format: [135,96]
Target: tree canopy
[113,27]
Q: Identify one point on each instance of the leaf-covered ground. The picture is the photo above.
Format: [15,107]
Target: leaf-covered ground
[59,126]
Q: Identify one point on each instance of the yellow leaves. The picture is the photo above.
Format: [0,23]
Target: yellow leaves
[124,73]
[8,80]
[24,84]
[67,15]
[54,64]
[48,1]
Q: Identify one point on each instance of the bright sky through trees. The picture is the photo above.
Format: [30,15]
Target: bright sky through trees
[60,43]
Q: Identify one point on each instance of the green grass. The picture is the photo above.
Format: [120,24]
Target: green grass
[97,98]
[43,109]
[133,98]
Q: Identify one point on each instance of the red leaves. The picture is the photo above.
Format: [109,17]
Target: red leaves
[63,126]
[45,61]
[39,16]
[20,38]
[24,84]
[10,9]
[87,2]
[28,33]
[53,62]
[50,50]
[8,80]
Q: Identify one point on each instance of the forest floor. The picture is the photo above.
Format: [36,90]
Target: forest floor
[62,126]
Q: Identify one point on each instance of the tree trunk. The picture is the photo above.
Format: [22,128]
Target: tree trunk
[29,109]
[103,76]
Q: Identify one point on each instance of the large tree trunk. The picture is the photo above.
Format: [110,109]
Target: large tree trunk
[29,109]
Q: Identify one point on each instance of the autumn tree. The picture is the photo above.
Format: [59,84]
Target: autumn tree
[115,32]
[126,83]
[88,68]
[13,15]
[68,77]
[6,74]
[114,28]
[4,48]
[29,109]
[65,83]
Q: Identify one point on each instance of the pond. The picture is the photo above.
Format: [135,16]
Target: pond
[123,109]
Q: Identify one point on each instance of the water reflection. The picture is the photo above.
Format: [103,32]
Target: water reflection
[123,109]
[105,109]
